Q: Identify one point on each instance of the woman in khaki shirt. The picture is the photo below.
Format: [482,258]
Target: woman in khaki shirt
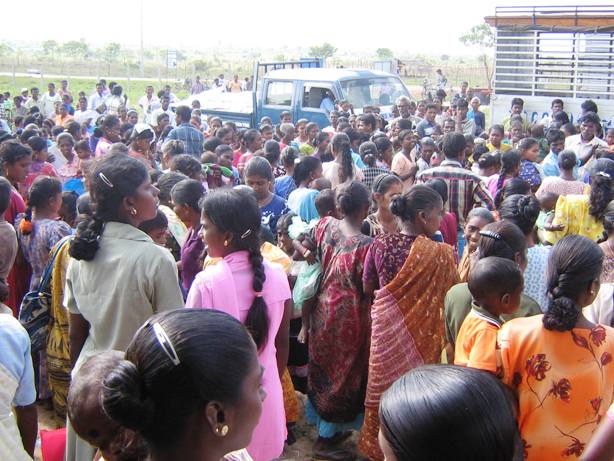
[117,277]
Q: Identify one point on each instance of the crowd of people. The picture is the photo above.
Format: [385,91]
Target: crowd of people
[170,284]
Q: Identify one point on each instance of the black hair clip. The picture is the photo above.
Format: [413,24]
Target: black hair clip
[491,234]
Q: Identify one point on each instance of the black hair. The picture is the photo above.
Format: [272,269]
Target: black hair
[304,168]
[522,210]
[602,177]
[250,136]
[567,160]
[125,174]
[481,212]
[471,406]
[512,187]
[493,275]
[221,132]
[574,264]
[417,198]
[109,122]
[289,157]
[368,119]
[498,128]
[608,220]
[517,102]
[184,112]
[325,202]
[69,201]
[383,182]
[320,138]
[368,153]
[258,166]
[148,393]
[561,118]
[37,143]
[353,198]
[341,144]
[439,186]
[236,211]
[383,144]
[223,149]
[591,117]
[12,151]
[404,124]
[165,184]
[41,191]
[5,194]
[272,151]
[454,145]
[589,106]
[188,192]
[186,164]
[284,222]
[488,160]
[159,222]
[211,143]
[526,143]
[503,239]
[554,135]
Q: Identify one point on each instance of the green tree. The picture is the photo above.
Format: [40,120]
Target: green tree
[384,53]
[483,37]
[75,49]
[110,53]
[50,48]
[5,49]
[326,50]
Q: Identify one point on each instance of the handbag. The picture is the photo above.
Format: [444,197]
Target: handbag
[35,309]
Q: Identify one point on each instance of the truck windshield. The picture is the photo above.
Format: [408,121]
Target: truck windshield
[373,91]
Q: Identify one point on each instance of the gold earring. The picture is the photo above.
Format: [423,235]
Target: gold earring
[133,212]
[223,431]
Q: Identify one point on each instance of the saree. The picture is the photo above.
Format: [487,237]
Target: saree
[407,327]
[58,356]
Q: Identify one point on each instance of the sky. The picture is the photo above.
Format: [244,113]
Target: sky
[405,26]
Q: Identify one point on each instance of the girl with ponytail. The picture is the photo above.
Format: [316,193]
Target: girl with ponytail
[559,364]
[510,168]
[342,169]
[583,214]
[253,291]
[118,276]
[40,227]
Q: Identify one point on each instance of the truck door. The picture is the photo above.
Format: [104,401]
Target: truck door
[277,97]
[317,99]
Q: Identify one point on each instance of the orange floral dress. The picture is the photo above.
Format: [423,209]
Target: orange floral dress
[564,382]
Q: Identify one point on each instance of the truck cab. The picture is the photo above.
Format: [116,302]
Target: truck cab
[304,92]
[305,89]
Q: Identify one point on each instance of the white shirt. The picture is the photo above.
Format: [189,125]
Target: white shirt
[580,147]
[83,116]
[96,101]
[47,106]
[148,105]
[154,116]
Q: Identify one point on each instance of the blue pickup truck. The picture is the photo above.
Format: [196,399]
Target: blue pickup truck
[301,88]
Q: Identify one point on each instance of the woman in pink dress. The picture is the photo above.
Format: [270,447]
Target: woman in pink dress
[252,290]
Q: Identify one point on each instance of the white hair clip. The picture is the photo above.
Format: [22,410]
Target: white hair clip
[603,174]
[246,234]
[165,343]
[105,180]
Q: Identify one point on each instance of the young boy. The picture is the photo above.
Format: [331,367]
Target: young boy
[156,228]
[496,287]
[88,418]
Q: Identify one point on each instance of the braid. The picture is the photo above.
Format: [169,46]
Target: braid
[25,226]
[347,165]
[87,241]
[257,321]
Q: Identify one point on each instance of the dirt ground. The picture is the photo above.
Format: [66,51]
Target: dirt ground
[299,451]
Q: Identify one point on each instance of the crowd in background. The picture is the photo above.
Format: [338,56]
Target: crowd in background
[182,281]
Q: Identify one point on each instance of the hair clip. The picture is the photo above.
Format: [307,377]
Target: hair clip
[246,234]
[105,180]
[603,174]
[258,294]
[165,343]
[491,234]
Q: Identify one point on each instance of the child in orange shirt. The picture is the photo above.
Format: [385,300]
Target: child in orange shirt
[496,286]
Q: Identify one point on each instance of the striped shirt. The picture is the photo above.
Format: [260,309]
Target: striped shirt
[465,189]
[191,137]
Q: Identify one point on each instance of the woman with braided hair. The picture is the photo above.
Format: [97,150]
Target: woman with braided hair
[117,277]
[253,291]
[559,364]
[342,169]
[510,168]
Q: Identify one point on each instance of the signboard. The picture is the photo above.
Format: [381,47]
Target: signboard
[171,59]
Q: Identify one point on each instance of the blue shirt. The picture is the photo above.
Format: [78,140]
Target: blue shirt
[358,161]
[284,185]
[272,212]
[191,137]
[479,118]
[550,165]
[16,359]
[425,128]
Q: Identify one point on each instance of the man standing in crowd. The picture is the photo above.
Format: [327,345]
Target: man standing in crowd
[198,86]
[48,101]
[34,100]
[191,137]
[98,98]
[165,102]
[148,103]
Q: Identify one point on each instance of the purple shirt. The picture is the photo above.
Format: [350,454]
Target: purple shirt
[191,252]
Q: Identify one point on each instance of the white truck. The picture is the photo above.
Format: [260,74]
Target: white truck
[553,52]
